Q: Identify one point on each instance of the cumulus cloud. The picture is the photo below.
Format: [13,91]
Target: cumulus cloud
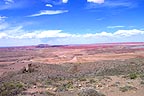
[18,34]
[96,1]
[49,12]
[44,34]
[2,35]
[64,1]
[60,34]
[128,32]
[49,5]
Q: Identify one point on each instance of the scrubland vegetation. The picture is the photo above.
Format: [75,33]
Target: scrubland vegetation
[24,75]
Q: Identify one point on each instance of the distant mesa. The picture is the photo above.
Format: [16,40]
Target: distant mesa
[47,45]
[59,45]
[42,46]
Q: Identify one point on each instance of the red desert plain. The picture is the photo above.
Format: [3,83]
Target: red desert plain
[106,69]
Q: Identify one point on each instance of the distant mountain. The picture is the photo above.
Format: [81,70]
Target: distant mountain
[42,46]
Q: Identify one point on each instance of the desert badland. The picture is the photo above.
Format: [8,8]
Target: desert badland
[110,69]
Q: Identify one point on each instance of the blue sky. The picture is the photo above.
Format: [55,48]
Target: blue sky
[32,22]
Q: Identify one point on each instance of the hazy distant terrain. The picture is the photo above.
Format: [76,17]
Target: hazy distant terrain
[114,69]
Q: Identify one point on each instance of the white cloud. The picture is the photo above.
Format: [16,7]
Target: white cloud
[115,27]
[128,32]
[96,1]
[19,34]
[49,12]
[13,30]
[2,17]
[8,1]
[64,1]
[111,4]
[2,35]
[52,33]
[3,26]
[26,35]
[119,33]
[49,5]
[44,34]
[60,34]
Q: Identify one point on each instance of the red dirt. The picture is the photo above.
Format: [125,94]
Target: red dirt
[15,58]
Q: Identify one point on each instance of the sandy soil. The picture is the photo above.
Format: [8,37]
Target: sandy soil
[83,60]
[16,58]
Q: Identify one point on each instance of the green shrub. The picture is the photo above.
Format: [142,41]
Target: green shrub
[50,94]
[11,88]
[89,92]
[133,76]
[127,88]
[68,85]
[142,76]
[82,79]
[48,82]
[142,82]
[92,81]
[65,87]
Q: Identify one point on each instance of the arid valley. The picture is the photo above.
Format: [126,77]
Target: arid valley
[110,69]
